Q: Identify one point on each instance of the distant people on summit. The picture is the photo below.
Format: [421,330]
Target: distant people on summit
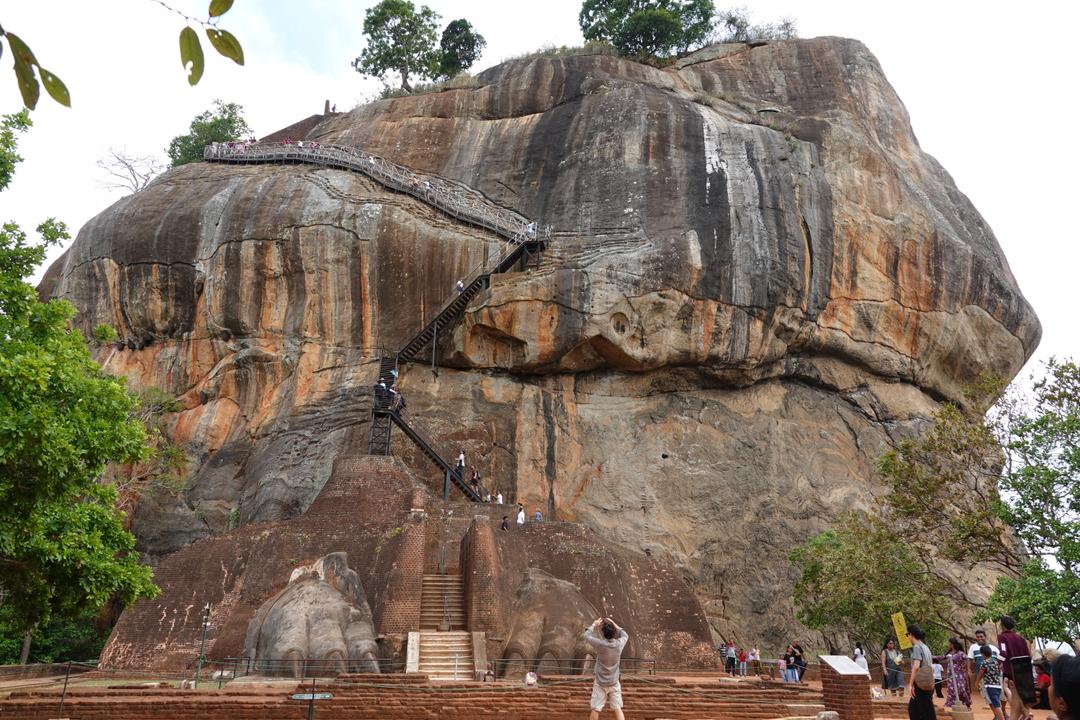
[607,640]
[520,514]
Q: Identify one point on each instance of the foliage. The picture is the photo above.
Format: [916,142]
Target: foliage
[735,25]
[161,470]
[63,547]
[9,156]
[854,577]
[1041,493]
[459,48]
[30,75]
[400,39]
[647,28]
[79,638]
[223,123]
[104,334]
[124,171]
[1000,490]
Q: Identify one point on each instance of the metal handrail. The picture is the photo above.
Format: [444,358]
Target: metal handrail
[572,666]
[455,200]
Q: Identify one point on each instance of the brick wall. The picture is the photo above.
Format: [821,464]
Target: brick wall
[400,612]
[847,695]
[480,567]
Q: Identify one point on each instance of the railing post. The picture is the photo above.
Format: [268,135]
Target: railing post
[446,485]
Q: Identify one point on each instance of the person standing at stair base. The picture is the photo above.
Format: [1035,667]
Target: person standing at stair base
[607,640]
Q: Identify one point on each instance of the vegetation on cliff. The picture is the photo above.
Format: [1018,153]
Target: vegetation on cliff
[63,546]
[222,123]
[1000,491]
[401,40]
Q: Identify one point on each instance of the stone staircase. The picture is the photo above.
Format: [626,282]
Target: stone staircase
[443,599]
[446,655]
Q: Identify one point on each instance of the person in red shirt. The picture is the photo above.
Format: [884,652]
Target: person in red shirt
[1042,687]
[1013,646]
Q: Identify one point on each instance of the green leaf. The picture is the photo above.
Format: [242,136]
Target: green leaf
[55,87]
[220,7]
[191,52]
[28,84]
[20,50]
[226,44]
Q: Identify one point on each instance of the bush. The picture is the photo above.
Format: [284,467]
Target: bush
[104,334]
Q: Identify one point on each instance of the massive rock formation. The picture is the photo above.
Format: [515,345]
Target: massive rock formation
[757,278]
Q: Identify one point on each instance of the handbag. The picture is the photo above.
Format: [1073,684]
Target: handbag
[924,678]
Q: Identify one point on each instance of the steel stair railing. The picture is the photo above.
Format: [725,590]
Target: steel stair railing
[450,472]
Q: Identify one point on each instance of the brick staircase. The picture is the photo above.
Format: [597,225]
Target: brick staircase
[442,599]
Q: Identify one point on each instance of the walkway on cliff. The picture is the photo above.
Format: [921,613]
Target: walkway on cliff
[523,240]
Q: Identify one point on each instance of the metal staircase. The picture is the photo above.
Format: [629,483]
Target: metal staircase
[523,241]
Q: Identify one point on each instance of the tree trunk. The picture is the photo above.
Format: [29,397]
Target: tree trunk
[25,654]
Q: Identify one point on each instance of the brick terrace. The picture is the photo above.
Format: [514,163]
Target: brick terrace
[411,697]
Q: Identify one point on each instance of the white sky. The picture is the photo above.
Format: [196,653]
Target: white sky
[990,86]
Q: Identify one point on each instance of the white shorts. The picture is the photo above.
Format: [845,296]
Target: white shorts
[611,694]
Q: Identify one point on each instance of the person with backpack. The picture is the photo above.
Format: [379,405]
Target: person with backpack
[921,683]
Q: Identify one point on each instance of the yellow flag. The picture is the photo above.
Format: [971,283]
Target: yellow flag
[900,625]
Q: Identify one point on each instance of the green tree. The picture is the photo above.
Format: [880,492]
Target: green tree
[223,123]
[855,577]
[647,28]
[1041,502]
[400,39]
[63,547]
[459,48]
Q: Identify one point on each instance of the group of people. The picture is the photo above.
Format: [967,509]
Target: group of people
[737,660]
[1002,672]
[519,517]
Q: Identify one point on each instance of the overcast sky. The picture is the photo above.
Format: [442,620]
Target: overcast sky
[990,86]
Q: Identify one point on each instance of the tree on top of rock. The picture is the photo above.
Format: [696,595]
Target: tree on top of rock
[225,122]
[400,39]
[460,46]
[647,28]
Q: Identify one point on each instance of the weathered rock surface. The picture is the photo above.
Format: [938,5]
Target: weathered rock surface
[322,615]
[758,277]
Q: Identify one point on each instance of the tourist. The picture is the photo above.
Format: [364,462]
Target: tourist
[859,656]
[1065,688]
[742,662]
[520,515]
[1013,647]
[460,467]
[475,481]
[505,523]
[754,656]
[607,650]
[537,517]
[800,659]
[781,667]
[487,496]
[959,686]
[730,657]
[989,678]
[920,693]
[891,659]
[498,497]
[1042,686]
[938,669]
[460,287]
[792,674]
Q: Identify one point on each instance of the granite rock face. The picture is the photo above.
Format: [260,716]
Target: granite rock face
[757,278]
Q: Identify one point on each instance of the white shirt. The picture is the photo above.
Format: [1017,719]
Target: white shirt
[974,650]
[521,517]
[937,670]
[498,499]
[461,459]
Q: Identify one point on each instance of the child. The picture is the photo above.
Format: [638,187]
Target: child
[937,678]
[781,666]
[990,678]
